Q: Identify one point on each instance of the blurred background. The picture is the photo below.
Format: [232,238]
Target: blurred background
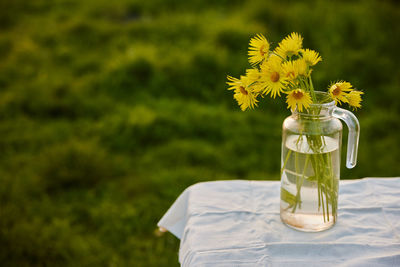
[110,109]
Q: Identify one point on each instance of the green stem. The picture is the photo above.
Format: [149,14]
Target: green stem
[301,184]
[286,160]
[314,98]
[322,201]
[296,167]
[303,85]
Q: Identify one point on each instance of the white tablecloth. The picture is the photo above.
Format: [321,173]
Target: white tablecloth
[237,223]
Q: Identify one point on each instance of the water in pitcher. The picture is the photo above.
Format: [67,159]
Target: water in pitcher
[310,178]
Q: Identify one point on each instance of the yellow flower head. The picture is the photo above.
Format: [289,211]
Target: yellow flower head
[272,79]
[290,46]
[339,91]
[301,67]
[234,83]
[254,76]
[244,92]
[258,49]
[299,98]
[354,98]
[290,70]
[311,57]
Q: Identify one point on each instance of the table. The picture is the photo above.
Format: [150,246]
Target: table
[237,223]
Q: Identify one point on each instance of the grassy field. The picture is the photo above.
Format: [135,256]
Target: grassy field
[109,110]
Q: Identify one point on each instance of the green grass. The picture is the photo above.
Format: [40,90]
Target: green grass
[108,111]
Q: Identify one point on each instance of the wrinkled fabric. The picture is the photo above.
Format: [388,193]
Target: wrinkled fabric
[237,223]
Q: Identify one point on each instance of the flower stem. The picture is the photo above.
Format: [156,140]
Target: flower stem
[314,98]
[300,184]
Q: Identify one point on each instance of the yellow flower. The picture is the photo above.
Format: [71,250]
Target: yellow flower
[354,98]
[246,100]
[271,58]
[301,67]
[244,92]
[272,79]
[289,69]
[293,68]
[254,75]
[234,83]
[339,91]
[299,98]
[258,49]
[311,57]
[290,46]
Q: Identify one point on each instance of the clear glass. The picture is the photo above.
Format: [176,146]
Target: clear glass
[310,173]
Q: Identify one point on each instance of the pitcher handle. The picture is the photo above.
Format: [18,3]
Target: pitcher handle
[354,134]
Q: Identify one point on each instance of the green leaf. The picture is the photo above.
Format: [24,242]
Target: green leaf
[288,197]
[312,178]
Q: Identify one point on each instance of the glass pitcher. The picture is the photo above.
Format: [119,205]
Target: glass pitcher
[310,173]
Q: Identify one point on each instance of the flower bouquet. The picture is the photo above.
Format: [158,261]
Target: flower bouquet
[311,139]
